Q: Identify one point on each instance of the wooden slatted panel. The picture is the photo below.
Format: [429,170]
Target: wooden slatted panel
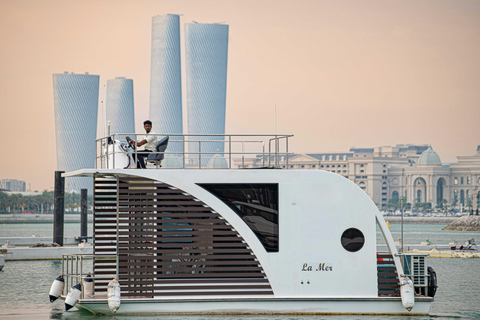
[171,244]
[388,283]
[104,230]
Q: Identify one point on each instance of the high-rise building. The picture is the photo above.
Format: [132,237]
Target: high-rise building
[119,105]
[13,185]
[75,98]
[165,78]
[206,52]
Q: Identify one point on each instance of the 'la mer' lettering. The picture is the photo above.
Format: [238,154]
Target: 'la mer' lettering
[306,267]
[321,267]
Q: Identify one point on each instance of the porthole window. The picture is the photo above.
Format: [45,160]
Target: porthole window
[353,240]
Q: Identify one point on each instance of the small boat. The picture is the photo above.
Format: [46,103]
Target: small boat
[469,246]
[239,239]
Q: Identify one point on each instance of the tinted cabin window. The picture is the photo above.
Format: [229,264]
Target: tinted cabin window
[256,204]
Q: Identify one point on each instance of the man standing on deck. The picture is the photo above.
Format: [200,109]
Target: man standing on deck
[149,141]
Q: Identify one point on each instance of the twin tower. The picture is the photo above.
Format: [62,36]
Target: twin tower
[206,53]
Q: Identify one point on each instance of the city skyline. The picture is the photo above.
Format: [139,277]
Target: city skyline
[336,74]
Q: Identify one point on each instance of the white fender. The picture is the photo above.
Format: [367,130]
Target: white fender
[72,296]
[113,295]
[407,293]
[57,288]
[88,286]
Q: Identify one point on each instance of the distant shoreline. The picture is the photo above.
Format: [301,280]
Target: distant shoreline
[39,218]
[420,220]
[75,217]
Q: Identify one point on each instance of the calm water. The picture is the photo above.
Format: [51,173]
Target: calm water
[24,285]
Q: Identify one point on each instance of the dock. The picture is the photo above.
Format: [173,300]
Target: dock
[42,248]
[44,253]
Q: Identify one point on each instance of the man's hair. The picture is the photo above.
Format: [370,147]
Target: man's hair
[147,122]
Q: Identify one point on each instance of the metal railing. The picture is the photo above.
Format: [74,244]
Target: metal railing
[195,151]
[76,267]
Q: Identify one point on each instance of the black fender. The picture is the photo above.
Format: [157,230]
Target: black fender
[432,282]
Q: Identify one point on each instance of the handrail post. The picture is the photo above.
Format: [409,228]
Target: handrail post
[96,154]
[269,151]
[135,151]
[263,153]
[113,150]
[243,154]
[286,156]
[277,146]
[183,140]
[199,154]
[105,150]
[230,151]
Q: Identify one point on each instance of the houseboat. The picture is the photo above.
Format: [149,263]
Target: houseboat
[237,231]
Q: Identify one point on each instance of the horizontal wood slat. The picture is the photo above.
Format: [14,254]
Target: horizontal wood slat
[199,287]
[385,262]
[212,257]
[387,274]
[169,202]
[162,209]
[172,215]
[189,263]
[194,281]
[388,280]
[124,198]
[379,268]
[192,245]
[135,191]
[143,267]
[175,251]
[173,227]
[172,233]
[238,275]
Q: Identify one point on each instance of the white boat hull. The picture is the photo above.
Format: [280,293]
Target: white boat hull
[330,306]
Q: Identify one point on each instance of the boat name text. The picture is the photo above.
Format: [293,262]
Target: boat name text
[320,267]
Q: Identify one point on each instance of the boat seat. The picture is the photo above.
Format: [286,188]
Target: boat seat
[157,156]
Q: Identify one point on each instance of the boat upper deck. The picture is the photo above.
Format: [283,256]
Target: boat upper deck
[191,151]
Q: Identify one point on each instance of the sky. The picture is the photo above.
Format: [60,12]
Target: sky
[337,74]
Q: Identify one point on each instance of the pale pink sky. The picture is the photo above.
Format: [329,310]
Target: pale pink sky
[341,73]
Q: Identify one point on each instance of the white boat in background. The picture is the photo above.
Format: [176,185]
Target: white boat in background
[2,258]
[240,239]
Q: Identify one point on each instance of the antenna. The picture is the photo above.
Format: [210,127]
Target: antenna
[104,111]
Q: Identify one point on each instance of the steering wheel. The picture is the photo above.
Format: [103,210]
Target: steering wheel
[130,142]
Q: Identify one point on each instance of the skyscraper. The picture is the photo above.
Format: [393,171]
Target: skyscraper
[75,98]
[206,51]
[165,78]
[119,105]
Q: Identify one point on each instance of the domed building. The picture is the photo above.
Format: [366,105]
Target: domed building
[414,172]
[429,158]
[429,181]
